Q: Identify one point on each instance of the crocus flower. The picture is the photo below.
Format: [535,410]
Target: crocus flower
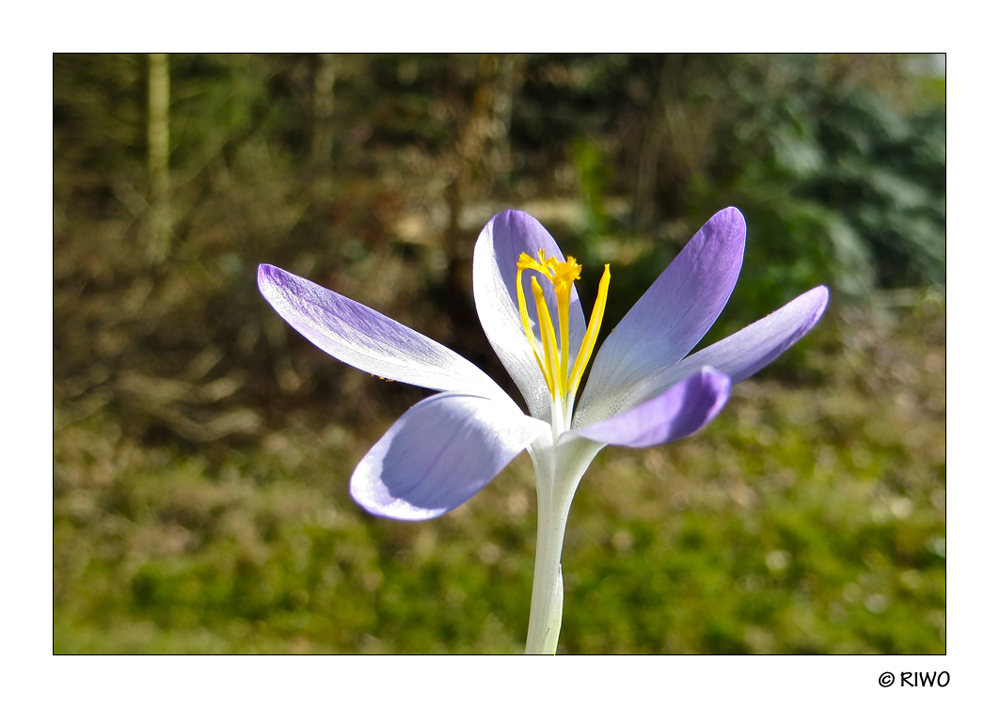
[643,389]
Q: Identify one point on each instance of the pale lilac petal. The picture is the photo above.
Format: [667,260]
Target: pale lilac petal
[754,347]
[494,284]
[439,454]
[363,338]
[674,414]
[674,314]
[738,356]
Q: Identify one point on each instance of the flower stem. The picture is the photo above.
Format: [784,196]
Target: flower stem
[547,587]
[557,474]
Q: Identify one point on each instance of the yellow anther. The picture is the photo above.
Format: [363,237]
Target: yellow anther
[526,321]
[590,337]
[551,355]
[549,345]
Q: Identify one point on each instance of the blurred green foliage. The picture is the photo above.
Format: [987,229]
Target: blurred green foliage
[203,448]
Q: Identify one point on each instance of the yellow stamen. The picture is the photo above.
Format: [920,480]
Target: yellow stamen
[548,334]
[587,346]
[563,275]
[552,356]
[526,321]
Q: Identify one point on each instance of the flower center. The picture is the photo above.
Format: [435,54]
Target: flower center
[552,353]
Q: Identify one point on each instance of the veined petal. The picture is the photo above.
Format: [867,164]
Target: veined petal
[738,356]
[363,338]
[754,347]
[494,284]
[439,454]
[675,313]
[678,412]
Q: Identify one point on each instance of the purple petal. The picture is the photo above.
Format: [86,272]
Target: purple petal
[494,283]
[757,345]
[439,454]
[738,356]
[674,414]
[368,340]
[675,313]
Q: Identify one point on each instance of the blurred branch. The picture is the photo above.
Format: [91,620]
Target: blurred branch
[503,104]
[322,128]
[484,147]
[158,137]
[180,405]
[649,156]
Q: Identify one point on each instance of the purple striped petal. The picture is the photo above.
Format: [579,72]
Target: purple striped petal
[738,356]
[439,454]
[755,346]
[674,414]
[675,313]
[494,283]
[363,338]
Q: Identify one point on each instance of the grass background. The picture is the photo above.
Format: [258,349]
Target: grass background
[808,518]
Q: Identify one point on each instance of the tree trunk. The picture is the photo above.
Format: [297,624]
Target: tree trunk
[158,141]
